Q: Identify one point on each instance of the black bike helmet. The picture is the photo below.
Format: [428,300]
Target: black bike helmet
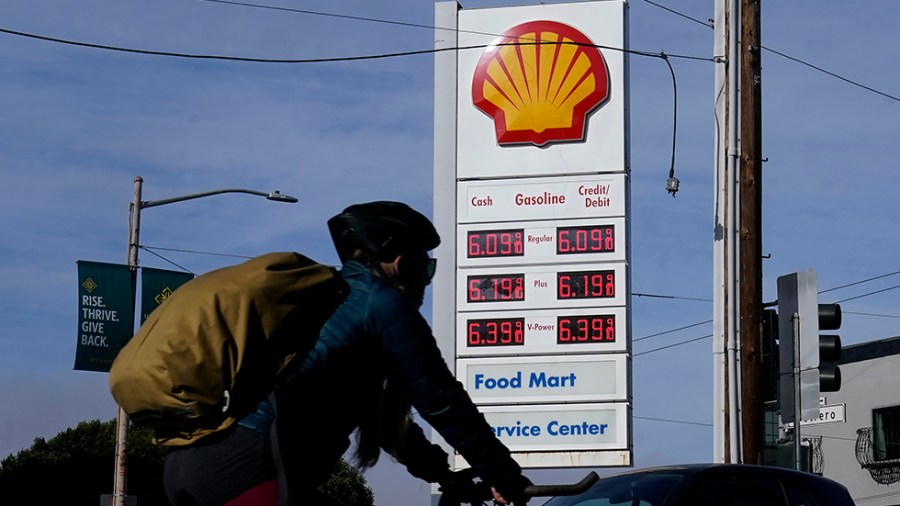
[383,230]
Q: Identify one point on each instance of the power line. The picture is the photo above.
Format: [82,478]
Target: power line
[708,24]
[677,297]
[667,420]
[429,27]
[167,260]
[330,15]
[224,57]
[861,282]
[832,74]
[868,294]
[673,330]
[148,248]
[673,345]
[874,278]
[872,314]
[244,59]
[783,55]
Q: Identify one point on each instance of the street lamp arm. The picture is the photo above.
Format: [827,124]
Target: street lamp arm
[275,195]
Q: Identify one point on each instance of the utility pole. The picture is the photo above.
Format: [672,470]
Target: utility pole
[727,438]
[750,182]
[120,477]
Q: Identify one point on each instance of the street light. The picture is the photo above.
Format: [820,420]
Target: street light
[133,233]
[275,195]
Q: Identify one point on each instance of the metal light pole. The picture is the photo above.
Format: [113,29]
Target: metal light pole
[134,217]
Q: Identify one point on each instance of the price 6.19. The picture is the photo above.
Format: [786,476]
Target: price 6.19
[586,284]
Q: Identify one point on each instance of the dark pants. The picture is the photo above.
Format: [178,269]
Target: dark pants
[212,472]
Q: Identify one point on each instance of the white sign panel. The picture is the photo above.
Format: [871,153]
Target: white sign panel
[536,73]
[536,242]
[560,427]
[541,198]
[544,379]
[547,331]
[541,286]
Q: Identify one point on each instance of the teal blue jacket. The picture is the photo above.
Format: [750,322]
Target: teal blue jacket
[378,338]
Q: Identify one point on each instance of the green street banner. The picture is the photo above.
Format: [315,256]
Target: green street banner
[105,314]
[157,285]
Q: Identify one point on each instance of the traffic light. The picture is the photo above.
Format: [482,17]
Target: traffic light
[770,367]
[802,351]
[829,348]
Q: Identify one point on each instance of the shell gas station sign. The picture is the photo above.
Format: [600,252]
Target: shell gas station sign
[531,178]
[538,82]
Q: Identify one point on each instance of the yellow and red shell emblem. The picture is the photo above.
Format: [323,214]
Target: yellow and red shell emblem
[539,81]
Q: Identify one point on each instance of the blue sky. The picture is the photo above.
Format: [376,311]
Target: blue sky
[78,124]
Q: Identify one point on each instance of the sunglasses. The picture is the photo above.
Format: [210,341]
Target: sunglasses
[431,268]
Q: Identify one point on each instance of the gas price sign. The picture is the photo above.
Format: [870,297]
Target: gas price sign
[541,242]
[580,330]
[533,204]
[541,286]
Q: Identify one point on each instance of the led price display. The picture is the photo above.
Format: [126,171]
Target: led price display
[496,332]
[586,284]
[495,243]
[586,329]
[585,239]
[496,288]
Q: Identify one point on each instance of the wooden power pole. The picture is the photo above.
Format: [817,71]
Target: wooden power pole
[752,411]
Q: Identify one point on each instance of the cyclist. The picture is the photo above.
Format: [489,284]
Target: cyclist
[375,357]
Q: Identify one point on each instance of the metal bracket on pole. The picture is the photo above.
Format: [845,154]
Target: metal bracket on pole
[795,320]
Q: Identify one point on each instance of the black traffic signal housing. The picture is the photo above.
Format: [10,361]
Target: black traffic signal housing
[770,371]
[829,348]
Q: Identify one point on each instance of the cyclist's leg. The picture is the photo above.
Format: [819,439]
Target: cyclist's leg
[263,494]
[212,472]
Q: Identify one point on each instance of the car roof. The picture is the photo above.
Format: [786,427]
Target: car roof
[697,470]
[690,478]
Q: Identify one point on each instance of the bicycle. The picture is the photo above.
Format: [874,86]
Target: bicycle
[464,490]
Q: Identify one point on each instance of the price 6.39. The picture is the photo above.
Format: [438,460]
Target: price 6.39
[586,329]
[496,332]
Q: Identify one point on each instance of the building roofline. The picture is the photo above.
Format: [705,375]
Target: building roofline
[870,350]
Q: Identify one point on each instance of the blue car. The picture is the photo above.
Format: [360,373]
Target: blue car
[711,485]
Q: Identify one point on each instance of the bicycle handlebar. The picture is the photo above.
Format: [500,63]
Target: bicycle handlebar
[570,489]
[475,493]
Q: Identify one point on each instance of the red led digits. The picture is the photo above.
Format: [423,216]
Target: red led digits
[585,239]
[496,332]
[496,243]
[586,285]
[496,288]
[586,329]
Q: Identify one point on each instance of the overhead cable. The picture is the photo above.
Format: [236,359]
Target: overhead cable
[673,345]
[185,269]
[148,248]
[331,59]
[783,55]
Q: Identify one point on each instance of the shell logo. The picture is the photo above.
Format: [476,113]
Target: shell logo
[539,81]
